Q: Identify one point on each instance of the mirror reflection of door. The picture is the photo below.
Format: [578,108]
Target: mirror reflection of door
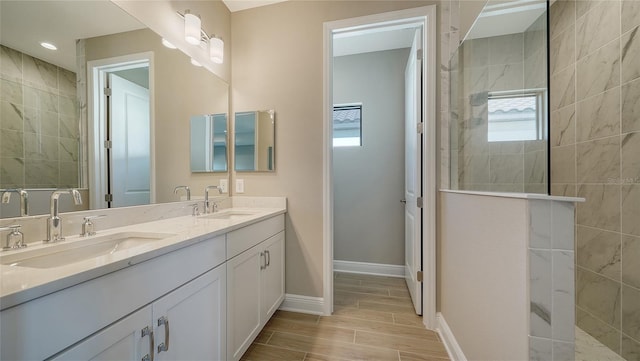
[128,128]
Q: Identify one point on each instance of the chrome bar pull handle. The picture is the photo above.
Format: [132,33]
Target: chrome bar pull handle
[268,258]
[149,332]
[263,257]
[165,345]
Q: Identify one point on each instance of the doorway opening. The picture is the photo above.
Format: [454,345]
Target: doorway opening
[385,119]
[120,130]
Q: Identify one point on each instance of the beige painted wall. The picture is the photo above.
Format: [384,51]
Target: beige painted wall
[369,180]
[181,91]
[485,305]
[278,52]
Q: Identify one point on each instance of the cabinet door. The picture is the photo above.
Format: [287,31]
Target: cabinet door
[243,292]
[122,340]
[273,276]
[190,322]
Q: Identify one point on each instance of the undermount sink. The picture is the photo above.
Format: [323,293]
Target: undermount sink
[63,253]
[229,215]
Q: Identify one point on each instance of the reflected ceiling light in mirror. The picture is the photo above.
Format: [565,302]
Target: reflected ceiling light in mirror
[195,62]
[216,49]
[48,46]
[192,25]
[166,43]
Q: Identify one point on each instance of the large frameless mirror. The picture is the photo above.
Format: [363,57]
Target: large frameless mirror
[52,133]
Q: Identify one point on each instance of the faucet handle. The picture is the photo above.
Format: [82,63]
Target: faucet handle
[87,225]
[195,211]
[15,239]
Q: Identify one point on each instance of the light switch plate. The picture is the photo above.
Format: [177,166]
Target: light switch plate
[239,185]
[224,185]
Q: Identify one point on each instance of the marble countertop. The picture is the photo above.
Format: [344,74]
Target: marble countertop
[21,284]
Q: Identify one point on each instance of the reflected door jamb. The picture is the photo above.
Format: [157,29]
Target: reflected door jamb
[96,128]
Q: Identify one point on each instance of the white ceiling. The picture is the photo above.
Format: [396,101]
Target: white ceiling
[500,17]
[25,24]
[370,40]
[237,5]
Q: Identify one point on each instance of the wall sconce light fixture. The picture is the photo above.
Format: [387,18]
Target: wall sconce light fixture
[216,49]
[195,35]
[192,28]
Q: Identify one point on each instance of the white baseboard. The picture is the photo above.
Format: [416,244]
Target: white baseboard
[303,304]
[377,269]
[450,342]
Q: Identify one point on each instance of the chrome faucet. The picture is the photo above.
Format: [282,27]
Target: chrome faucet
[186,188]
[24,199]
[207,204]
[54,223]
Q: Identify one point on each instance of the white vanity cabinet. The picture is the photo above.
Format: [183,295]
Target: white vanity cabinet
[188,324]
[100,318]
[255,281]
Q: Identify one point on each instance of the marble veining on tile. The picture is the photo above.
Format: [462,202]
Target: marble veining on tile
[630,160]
[540,349]
[540,293]
[590,349]
[563,86]
[562,50]
[561,15]
[631,106]
[630,14]
[630,257]
[11,116]
[631,209]
[598,116]
[563,129]
[597,27]
[631,311]
[599,71]
[563,169]
[630,43]
[598,295]
[598,161]
[599,251]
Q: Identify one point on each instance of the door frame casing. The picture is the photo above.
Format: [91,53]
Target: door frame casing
[96,122]
[426,16]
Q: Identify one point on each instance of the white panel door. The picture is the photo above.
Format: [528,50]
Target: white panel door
[131,143]
[272,275]
[190,322]
[413,170]
[121,341]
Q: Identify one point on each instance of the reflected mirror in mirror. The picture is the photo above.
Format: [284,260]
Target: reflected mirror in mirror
[209,143]
[499,101]
[48,130]
[254,141]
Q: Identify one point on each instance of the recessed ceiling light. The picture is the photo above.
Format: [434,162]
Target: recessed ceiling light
[166,43]
[48,46]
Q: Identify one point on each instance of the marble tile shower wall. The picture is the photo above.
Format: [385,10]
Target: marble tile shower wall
[595,139]
[502,63]
[39,129]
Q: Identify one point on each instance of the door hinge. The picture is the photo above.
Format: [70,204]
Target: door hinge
[108,144]
[419,276]
[420,202]
[108,197]
[420,127]
[107,92]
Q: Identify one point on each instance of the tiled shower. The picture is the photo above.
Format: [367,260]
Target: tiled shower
[594,138]
[39,141]
[595,154]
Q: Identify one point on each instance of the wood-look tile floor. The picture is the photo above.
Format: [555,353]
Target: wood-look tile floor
[373,320]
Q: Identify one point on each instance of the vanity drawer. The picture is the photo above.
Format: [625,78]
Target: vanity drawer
[244,238]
